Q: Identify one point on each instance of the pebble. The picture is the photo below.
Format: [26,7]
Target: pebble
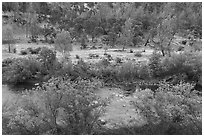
[36,84]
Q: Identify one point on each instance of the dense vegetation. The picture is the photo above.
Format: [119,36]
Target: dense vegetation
[65,102]
[126,24]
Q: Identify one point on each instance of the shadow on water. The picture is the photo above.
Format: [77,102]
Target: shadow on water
[28,85]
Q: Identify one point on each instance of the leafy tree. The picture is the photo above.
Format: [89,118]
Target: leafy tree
[98,31]
[112,38]
[63,42]
[89,26]
[127,34]
[165,30]
[8,36]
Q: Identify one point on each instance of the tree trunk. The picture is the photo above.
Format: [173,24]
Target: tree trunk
[147,41]
[92,39]
[168,46]
[162,50]
[9,48]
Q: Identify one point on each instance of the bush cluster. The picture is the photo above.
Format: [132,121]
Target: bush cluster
[20,69]
[185,66]
[48,58]
[30,51]
[173,109]
[186,63]
[58,107]
[154,65]
[138,54]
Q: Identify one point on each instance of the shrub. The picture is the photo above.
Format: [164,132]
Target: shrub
[36,50]
[63,42]
[118,60]
[138,54]
[91,55]
[20,70]
[81,69]
[103,63]
[186,63]
[171,110]
[48,58]
[127,71]
[23,52]
[77,57]
[30,50]
[131,51]
[58,107]
[108,74]
[154,65]
[6,62]
[109,57]
[143,71]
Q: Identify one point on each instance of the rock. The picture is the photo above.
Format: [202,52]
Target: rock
[102,121]
[184,42]
[77,57]
[36,84]
[121,96]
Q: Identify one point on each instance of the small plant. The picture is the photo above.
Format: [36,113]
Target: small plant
[138,54]
[36,51]
[154,65]
[118,60]
[23,52]
[91,55]
[180,48]
[131,51]
[77,57]
[6,62]
[104,62]
[48,59]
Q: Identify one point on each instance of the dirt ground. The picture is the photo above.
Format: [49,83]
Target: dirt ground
[120,111]
[84,54]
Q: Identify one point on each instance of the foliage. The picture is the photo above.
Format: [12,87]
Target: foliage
[154,65]
[184,63]
[103,63]
[20,70]
[6,62]
[138,54]
[112,38]
[171,110]
[128,71]
[117,18]
[24,52]
[118,60]
[48,58]
[58,107]
[7,34]
[63,42]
